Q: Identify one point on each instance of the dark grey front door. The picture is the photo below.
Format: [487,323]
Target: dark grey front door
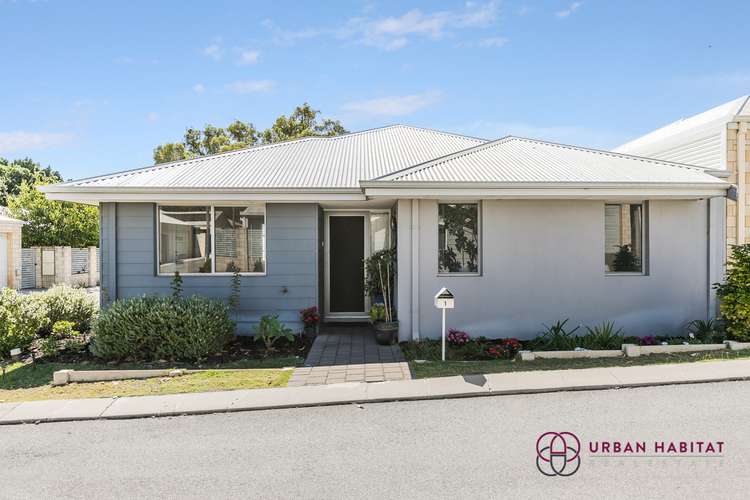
[347,249]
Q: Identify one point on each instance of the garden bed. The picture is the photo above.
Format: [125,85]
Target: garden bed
[436,368]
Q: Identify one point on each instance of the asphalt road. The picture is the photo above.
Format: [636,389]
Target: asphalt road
[467,448]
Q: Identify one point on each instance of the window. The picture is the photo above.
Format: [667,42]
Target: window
[623,238]
[205,239]
[458,238]
[184,241]
[379,222]
[240,233]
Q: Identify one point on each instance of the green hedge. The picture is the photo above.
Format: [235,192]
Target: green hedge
[734,294]
[154,327]
[20,319]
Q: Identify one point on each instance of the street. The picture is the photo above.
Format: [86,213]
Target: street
[461,448]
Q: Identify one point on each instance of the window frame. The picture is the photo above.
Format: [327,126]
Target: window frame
[212,228]
[645,258]
[478,272]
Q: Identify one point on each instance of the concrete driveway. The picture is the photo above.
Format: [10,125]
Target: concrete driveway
[464,448]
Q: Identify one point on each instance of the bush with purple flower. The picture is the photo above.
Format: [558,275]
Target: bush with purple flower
[457,338]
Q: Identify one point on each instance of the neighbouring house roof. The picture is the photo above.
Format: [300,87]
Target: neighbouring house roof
[696,139]
[354,166]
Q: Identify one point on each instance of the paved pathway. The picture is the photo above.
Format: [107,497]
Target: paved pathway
[349,353]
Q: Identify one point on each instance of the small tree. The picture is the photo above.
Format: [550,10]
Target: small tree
[380,273]
[234,295]
[176,286]
[734,294]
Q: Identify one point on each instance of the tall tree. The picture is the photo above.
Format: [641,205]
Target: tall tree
[14,173]
[302,122]
[51,222]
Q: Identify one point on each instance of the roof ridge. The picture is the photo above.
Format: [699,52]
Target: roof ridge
[440,159]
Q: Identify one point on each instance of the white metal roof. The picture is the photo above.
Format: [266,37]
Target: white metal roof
[516,160]
[312,162]
[703,124]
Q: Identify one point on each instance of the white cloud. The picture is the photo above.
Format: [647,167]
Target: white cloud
[198,88]
[395,32]
[21,140]
[287,38]
[489,42]
[248,57]
[393,105]
[214,50]
[251,86]
[567,12]
[152,116]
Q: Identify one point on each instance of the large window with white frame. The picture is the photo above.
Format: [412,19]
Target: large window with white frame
[458,238]
[212,239]
[624,235]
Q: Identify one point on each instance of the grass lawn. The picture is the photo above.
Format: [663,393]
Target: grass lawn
[450,368]
[31,382]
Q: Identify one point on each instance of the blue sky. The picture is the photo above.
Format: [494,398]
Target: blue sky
[92,87]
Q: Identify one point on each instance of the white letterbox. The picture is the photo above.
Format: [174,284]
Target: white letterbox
[444,299]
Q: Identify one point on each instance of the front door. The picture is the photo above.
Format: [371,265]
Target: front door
[346,250]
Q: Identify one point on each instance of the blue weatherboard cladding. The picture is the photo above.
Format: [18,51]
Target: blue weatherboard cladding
[128,242]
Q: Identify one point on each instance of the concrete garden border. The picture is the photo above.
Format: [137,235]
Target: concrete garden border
[632,351]
[64,377]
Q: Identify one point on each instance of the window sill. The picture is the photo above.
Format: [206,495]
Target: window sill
[171,275]
[624,274]
[458,275]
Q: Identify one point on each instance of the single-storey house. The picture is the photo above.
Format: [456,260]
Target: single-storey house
[10,250]
[715,139]
[522,231]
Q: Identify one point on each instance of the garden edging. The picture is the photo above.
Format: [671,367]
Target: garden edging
[632,351]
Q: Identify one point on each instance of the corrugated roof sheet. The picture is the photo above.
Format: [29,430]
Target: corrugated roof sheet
[718,115]
[519,160]
[313,162]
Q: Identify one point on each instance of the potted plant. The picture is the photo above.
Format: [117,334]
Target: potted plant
[311,319]
[379,279]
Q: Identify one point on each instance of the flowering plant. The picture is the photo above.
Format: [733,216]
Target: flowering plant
[457,338]
[496,351]
[648,340]
[310,316]
[511,346]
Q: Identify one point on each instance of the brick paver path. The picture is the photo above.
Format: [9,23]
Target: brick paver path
[347,353]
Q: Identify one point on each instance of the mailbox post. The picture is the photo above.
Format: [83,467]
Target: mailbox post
[444,300]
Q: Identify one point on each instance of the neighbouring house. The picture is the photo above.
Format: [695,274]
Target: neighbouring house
[716,139]
[523,232]
[10,250]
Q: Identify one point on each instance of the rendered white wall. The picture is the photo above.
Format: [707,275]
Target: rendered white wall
[543,261]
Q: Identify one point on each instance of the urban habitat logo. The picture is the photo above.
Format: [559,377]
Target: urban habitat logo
[558,454]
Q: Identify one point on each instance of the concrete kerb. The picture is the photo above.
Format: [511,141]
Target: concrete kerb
[349,393]
[631,351]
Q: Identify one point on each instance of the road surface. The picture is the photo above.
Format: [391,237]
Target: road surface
[461,448]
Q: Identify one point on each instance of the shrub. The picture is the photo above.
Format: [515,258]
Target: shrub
[706,331]
[48,346]
[511,346]
[496,351]
[735,294]
[153,327]
[270,330]
[603,336]
[311,317]
[64,329]
[20,319]
[555,338]
[648,340]
[457,338]
[64,303]
[377,313]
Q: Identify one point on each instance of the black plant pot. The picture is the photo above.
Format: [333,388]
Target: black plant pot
[386,332]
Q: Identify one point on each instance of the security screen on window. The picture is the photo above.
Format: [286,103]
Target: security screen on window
[185,239]
[240,232]
[623,238]
[458,238]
